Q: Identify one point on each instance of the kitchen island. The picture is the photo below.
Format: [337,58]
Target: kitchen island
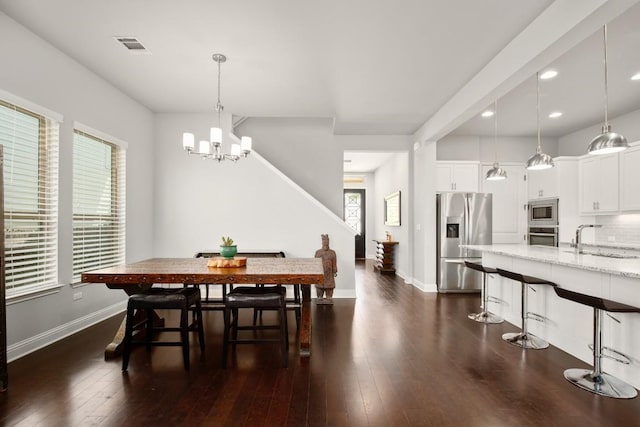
[567,325]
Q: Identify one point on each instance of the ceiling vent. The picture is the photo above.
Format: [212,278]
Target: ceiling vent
[132,44]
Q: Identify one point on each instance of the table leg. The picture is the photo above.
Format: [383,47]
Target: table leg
[305,323]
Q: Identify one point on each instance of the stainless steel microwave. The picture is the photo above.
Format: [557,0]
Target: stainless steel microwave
[543,212]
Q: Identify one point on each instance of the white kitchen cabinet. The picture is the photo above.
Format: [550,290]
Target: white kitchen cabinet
[542,184]
[457,176]
[599,184]
[509,204]
[629,179]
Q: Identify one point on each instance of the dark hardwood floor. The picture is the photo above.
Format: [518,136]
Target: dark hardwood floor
[393,357]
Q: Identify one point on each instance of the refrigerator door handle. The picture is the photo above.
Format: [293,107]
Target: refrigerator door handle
[467,223]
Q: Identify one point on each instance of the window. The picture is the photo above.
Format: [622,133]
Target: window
[30,171]
[98,203]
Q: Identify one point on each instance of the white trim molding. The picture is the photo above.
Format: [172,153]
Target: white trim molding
[36,342]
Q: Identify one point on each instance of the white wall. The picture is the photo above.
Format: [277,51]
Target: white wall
[197,202]
[481,148]
[305,151]
[35,71]
[576,143]
[424,224]
[392,176]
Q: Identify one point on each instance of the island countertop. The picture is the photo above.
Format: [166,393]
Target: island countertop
[627,267]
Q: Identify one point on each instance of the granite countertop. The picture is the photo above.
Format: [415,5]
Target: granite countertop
[608,245]
[628,267]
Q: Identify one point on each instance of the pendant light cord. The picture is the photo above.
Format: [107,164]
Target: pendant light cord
[495,130]
[606,80]
[219,106]
[538,108]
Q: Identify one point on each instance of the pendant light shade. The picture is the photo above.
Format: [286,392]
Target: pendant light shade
[496,173]
[607,142]
[540,160]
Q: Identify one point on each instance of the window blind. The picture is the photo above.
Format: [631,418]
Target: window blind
[98,204]
[31,199]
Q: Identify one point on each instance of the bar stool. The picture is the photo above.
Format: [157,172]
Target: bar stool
[484,316]
[169,299]
[596,381]
[524,338]
[257,298]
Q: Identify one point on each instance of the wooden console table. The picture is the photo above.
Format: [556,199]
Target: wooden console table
[385,257]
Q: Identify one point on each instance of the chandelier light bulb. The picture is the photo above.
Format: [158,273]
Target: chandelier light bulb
[205,147]
[188,141]
[216,135]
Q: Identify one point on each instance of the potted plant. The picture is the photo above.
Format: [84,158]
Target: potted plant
[227,248]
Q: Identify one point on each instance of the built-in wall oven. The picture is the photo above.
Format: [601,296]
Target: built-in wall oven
[543,222]
[545,236]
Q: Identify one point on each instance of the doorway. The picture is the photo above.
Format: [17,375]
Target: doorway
[354,216]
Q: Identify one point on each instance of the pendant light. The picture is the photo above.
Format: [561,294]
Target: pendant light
[496,173]
[607,142]
[540,160]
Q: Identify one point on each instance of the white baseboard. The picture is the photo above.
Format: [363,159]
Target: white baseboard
[36,342]
[425,287]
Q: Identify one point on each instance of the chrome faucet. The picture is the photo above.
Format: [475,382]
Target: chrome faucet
[578,244]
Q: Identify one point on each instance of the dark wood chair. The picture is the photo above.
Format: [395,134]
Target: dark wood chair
[256,298]
[166,299]
[294,302]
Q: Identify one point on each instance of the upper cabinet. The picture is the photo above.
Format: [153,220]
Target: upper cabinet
[629,179]
[509,204]
[599,184]
[542,184]
[457,176]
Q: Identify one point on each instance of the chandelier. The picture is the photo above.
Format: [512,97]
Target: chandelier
[212,149]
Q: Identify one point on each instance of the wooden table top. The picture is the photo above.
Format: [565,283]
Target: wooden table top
[304,271]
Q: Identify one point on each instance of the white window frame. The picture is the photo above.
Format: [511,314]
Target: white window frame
[104,245]
[31,252]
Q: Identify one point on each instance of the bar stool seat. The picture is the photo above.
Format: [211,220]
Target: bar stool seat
[596,381]
[524,338]
[257,298]
[484,316]
[169,299]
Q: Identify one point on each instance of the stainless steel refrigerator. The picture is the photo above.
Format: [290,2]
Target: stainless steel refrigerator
[462,219]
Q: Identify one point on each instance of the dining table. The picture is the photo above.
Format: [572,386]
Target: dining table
[140,276]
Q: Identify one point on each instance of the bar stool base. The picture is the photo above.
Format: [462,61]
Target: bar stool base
[525,340]
[485,317]
[603,384]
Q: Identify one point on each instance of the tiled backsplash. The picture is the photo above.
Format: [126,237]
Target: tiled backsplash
[618,228]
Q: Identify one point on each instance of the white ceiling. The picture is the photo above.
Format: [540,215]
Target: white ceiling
[578,90]
[376,66]
[360,162]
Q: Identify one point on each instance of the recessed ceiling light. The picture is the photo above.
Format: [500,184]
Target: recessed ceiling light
[487,113]
[635,76]
[555,115]
[549,74]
